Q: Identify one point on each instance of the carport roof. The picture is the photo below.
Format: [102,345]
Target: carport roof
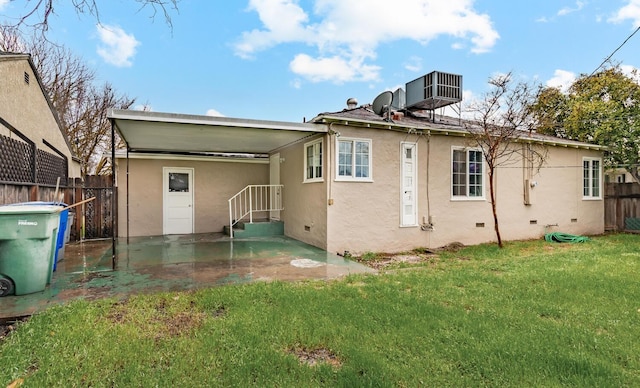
[179,133]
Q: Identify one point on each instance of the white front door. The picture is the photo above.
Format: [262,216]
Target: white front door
[274,179]
[408,176]
[177,200]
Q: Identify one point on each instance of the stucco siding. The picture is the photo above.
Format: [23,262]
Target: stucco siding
[24,106]
[214,184]
[366,216]
[305,204]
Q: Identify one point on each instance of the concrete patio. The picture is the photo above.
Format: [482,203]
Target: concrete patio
[176,263]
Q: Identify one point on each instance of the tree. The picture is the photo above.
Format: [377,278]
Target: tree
[80,102]
[501,119]
[603,108]
[38,12]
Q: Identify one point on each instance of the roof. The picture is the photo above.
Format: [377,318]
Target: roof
[364,116]
[5,55]
[154,132]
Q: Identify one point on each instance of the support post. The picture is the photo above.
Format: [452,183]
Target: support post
[114,205]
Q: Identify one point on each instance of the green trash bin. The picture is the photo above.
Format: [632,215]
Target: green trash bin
[28,238]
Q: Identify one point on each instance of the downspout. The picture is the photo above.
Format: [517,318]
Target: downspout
[428,224]
[329,165]
[114,195]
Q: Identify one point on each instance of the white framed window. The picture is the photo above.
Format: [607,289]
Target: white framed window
[591,178]
[467,174]
[313,161]
[354,160]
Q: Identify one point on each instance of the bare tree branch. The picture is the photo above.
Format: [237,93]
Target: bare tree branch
[38,12]
[81,104]
[501,119]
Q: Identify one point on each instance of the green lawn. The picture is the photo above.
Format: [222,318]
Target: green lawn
[532,314]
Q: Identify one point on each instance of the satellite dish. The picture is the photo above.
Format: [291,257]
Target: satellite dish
[382,103]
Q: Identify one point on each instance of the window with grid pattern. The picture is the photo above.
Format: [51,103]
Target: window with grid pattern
[467,174]
[591,178]
[354,159]
[313,161]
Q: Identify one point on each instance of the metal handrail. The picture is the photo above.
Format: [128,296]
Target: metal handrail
[253,199]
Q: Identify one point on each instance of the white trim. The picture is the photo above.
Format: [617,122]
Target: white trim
[274,180]
[351,178]
[591,197]
[321,177]
[414,183]
[195,158]
[467,197]
[448,130]
[179,118]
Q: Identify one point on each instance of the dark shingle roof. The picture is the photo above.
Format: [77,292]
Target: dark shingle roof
[406,120]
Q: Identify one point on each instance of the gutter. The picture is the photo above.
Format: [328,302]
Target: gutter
[451,132]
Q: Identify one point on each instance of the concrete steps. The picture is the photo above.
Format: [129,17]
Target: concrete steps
[259,228]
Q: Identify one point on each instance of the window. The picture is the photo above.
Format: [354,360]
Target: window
[467,177]
[313,161]
[591,174]
[354,159]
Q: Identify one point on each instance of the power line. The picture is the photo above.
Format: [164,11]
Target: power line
[614,51]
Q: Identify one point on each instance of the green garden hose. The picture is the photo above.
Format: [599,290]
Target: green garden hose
[564,237]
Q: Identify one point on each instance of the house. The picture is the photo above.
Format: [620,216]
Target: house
[618,175]
[34,150]
[349,181]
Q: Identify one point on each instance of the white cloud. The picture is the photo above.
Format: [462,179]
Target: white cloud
[346,34]
[214,113]
[414,64]
[334,69]
[3,3]
[631,72]
[567,10]
[629,11]
[562,80]
[118,47]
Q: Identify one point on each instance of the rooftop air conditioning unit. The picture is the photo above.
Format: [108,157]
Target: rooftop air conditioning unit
[434,90]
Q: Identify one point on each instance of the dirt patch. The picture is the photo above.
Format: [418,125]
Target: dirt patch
[8,327]
[313,357]
[452,247]
[386,260]
[381,261]
[160,321]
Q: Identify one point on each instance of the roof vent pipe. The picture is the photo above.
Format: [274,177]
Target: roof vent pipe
[352,103]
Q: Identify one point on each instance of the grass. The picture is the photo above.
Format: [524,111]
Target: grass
[531,314]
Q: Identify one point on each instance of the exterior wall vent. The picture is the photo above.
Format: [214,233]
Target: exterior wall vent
[434,90]
[26,78]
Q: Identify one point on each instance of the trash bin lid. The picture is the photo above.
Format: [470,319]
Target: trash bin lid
[37,203]
[9,209]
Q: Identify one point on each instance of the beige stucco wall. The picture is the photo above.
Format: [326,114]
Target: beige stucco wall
[24,107]
[305,213]
[366,216]
[214,183]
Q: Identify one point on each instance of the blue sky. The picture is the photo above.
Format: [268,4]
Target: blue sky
[288,60]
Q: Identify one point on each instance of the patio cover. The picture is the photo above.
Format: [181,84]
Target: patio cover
[170,133]
[154,132]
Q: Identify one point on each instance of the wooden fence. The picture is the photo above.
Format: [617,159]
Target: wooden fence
[621,203]
[92,220]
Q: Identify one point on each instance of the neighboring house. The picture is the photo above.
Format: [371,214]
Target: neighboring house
[352,181]
[33,147]
[618,175]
